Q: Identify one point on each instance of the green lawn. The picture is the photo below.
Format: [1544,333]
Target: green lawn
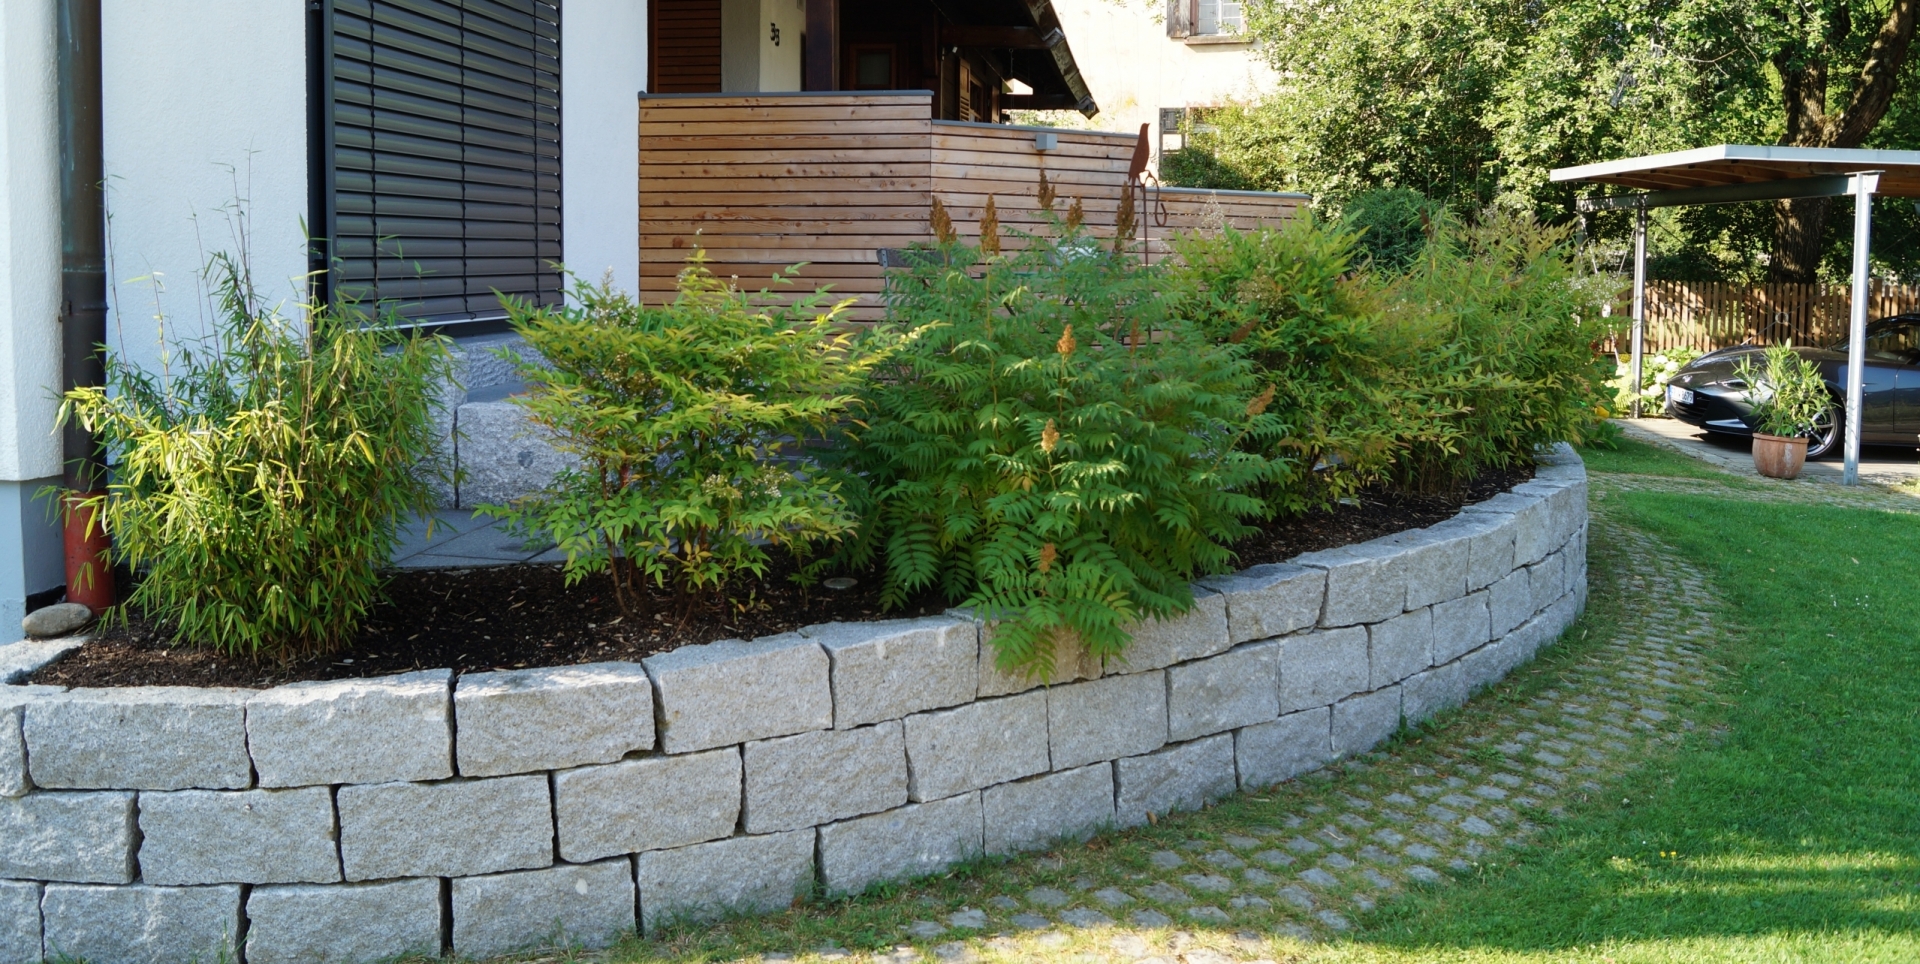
[1794,835]
[1631,457]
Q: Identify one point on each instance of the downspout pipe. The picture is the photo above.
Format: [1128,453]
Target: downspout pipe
[83,290]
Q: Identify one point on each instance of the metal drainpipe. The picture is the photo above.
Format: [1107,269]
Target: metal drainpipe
[83,289]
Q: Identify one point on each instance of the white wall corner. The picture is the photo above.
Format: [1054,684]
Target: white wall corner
[603,69]
[29,243]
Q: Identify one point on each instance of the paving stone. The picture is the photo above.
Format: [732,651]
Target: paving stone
[925,930]
[1106,719]
[1156,644]
[889,669]
[1366,583]
[1319,668]
[1130,945]
[246,837]
[1209,914]
[139,924]
[1079,917]
[977,745]
[390,729]
[1253,901]
[455,829]
[915,840]
[1030,922]
[1297,896]
[1003,902]
[1237,688]
[566,905]
[1112,897]
[1256,877]
[815,778]
[1224,860]
[1399,647]
[1337,861]
[1185,776]
[1333,920]
[1242,843]
[1165,859]
[1033,813]
[1048,897]
[20,938]
[139,738]
[1271,600]
[954,951]
[651,803]
[527,720]
[734,691]
[1273,858]
[969,918]
[751,874]
[1362,722]
[1165,894]
[1296,743]
[343,924]
[1149,919]
[68,836]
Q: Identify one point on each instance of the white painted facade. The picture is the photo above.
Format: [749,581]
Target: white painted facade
[760,44]
[1135,69]
[205,116]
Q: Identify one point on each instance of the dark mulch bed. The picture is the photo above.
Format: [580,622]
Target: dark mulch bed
[513,617]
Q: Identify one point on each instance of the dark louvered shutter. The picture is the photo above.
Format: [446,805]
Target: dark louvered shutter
[443,180]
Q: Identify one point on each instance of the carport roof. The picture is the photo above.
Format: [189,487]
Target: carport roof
[1727,164]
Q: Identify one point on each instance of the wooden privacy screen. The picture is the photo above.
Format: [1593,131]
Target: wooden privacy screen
[832,179]
[1705,315]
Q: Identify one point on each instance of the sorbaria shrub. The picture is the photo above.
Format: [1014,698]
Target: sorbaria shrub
[688,423]
[258,481]
[1050,445]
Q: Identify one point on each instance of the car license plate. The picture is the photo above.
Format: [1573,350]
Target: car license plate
[1679,396]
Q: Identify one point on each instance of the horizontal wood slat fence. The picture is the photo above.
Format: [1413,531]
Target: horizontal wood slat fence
[1705,315]
[833,179]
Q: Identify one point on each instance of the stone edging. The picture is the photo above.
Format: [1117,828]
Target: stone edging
[361,819]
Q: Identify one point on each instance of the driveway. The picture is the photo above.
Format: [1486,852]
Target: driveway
[1884,464]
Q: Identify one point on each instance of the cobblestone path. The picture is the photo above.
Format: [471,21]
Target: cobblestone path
[1257,876]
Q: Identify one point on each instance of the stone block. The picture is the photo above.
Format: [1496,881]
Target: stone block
[566,905]
[1196,634]
[653,803]
[343,923]
[1566,504]
[389,729]
[1366,583]
[1460,625]
[1185,776]
[1031,814]
[503,456]
[1361,722]
[734,691]
[1436,565]
[887,670]
[1489,545]
[815,778]
[736,875]
[1510,601]
[1484,666]
[13,753]
[77,837]
[913,841]
[1237,688]
[20,941]
[1285,748]
[1106,719]
[1428,693]
[1548,581]
[1071,661]
[140,738]
[1320,667]
[972,746]
[1399,647]
[29,656]
[453,829]
[523,721]
[1530,521]
[190,837]
[138,924]
[1270,600]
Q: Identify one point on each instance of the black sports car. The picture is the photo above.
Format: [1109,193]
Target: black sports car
[1708,394]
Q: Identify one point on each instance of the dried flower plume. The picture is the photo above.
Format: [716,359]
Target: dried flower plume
[942,224]
[1066,345]
[1076,215]
[1046,194]
[1049,438]
[1047,554]
[990,229]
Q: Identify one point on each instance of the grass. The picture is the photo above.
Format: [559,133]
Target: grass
[1632,457]
[1791,837]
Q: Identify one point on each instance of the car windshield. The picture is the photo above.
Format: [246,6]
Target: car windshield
[1896,340]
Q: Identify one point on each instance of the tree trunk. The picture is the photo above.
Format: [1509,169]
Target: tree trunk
[1799,227]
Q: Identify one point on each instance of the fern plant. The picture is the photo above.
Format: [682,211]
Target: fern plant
[1053,447]
[258,482]
[688,421]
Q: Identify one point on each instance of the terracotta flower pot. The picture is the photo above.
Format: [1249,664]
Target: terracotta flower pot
[1778,458]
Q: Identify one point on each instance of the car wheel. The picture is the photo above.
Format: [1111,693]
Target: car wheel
[1829,434]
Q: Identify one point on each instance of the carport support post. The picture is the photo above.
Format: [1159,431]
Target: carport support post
[1864,186]
[1639,300]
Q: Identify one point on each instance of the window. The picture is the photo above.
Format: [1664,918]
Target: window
[1215,17]
[441,157]
[872,66]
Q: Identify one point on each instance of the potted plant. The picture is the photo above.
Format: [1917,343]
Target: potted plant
[1789,396]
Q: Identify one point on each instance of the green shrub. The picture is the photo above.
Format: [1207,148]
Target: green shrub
[258,482]
[1789,394]
[1198,167]
[1053,447]
[686,421]
[1656,371]
[1393,225]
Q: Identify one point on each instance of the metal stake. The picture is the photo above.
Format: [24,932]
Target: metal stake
[1639,301]
[1864,186]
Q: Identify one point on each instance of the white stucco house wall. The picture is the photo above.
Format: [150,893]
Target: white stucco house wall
[1145,56]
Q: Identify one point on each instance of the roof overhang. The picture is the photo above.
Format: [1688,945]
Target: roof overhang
[1729,165]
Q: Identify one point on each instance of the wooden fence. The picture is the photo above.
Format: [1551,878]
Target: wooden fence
[1705,315]
[764,181]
